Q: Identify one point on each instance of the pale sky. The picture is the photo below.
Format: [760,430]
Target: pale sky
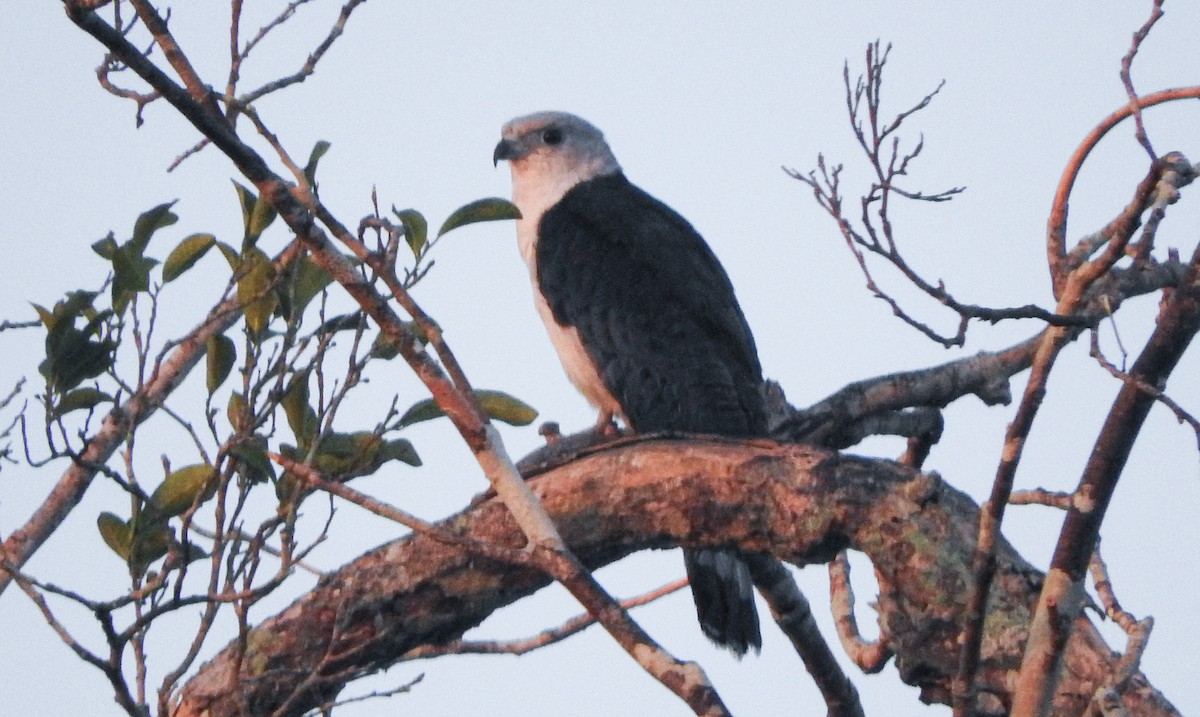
[702,107]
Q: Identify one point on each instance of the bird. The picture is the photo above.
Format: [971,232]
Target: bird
[643,317]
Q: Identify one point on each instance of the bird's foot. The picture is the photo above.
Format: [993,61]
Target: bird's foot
[605,425]
[550,431]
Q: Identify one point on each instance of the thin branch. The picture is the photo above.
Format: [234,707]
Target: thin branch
[553,635]
[870,656]
[1056,232]
[1108,597]
[314,478]
[310,64]
[1181,414]
[1127,79]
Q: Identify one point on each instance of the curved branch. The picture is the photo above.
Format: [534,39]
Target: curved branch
[1057,230]
[794,502]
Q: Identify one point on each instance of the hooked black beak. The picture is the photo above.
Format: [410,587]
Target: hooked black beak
[505,149]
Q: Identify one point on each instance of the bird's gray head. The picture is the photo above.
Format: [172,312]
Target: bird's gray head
[554,146]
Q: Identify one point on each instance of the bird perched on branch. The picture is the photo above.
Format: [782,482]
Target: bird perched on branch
[643,317]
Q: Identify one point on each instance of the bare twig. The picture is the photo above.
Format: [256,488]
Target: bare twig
[1108,598]
[547,637]
[1127,79]
[1181,414]
[1040,496]
[310,64]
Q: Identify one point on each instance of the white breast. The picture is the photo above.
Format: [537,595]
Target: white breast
[533,199]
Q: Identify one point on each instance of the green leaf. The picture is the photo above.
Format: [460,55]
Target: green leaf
[48,319]
[184,256]
[252,461]
[424,410]
[400,449]
[481,210]
[220,354]
[345,455]
[75,304]
[385,348]
[261,217]
[256,275]
[506,408]
[231,255]
[301,417]
[138,542]
[309,281]
[246,199]
[71,354]
[348,455]
[182,488]
[151,541]
[342,322]
[310,170]
[238,412]
[131,275]
[191,552]
[117,534]
[149,222]
[416,229]
[79,399]
[496,404]
[106,247]
[72,358]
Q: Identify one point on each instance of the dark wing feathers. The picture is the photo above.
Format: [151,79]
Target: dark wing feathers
[653,308]
[656,313]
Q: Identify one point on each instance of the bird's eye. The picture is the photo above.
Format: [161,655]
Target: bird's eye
[552,136]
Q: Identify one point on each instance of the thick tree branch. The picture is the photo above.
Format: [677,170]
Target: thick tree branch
[796,503]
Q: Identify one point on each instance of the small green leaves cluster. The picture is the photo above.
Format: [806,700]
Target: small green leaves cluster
[146,537]
[278,365]
[75,354]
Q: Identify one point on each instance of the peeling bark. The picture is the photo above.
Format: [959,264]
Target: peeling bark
[795,502]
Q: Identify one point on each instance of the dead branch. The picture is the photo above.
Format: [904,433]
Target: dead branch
[1127,77]
[871,657]
[794,616]
[573,626]
[1074,290]
[1056,232]
[1060,601]
[796,503]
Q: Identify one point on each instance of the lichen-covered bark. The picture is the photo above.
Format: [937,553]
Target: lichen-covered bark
[797,503]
